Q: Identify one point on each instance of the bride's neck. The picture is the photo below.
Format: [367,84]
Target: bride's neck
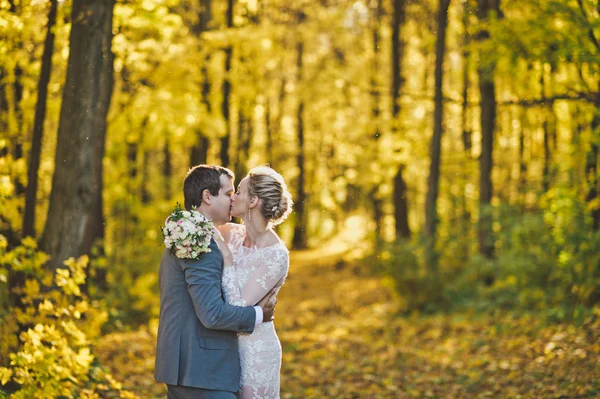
[257,230]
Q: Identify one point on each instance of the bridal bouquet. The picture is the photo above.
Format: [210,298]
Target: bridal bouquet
[187,234]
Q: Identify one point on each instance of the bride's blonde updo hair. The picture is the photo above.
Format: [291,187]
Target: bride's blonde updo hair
[269,186]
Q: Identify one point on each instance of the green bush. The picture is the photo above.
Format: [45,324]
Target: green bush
[546,260]
[54,356]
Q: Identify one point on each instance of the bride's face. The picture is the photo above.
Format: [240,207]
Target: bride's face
[239,203]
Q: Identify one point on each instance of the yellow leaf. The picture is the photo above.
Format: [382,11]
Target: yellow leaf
[84,357]
[46,306]
[5,375]
[32,288]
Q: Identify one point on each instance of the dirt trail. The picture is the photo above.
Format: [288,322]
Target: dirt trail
[342,338]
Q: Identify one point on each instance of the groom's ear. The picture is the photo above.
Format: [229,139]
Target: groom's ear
[206,197]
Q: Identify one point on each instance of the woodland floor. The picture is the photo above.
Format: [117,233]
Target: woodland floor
[342,338]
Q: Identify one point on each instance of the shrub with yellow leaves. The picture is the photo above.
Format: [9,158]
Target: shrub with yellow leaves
[54,357]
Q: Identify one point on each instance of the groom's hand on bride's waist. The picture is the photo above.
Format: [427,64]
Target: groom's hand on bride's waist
[268,306]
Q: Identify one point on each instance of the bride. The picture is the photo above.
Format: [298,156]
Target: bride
[256,261]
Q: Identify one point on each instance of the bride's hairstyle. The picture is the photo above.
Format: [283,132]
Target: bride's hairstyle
[270,187]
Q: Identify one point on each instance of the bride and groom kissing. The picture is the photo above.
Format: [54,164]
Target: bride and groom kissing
[216,338]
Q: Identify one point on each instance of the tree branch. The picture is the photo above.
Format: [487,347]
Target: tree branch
[593,38]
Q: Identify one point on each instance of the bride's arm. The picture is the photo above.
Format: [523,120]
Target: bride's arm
[266,277]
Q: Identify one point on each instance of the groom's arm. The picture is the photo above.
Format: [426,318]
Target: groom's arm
[203,277]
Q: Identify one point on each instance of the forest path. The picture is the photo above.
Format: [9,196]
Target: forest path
[342,338]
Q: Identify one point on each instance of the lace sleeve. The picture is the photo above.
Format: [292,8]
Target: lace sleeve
[271,273]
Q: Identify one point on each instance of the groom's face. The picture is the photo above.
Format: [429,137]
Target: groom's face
[221,204]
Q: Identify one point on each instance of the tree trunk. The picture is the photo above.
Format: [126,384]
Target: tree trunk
[146,196]
[400,191]
[276,124]
[226,140]
[74,183]
[17,126]
[374,196]
[3,107]
[466,131]
[487,90]
[243,144]
[167,169]
[547,155]
[199,151]
[436,140]
[591,171]
[401,208]
[467,134]
[95,230]
[269,130]
[17,278]
[300,239]
[522,162]
[38,125]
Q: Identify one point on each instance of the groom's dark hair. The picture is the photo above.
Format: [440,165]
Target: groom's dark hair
[200,178]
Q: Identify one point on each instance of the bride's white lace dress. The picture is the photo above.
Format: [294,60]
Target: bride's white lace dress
[248,275]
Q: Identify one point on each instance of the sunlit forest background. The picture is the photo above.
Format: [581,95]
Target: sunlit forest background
[443,157]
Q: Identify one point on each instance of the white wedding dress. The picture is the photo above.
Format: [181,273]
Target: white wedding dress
[248,275]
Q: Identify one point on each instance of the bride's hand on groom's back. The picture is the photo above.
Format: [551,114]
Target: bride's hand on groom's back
[268,306]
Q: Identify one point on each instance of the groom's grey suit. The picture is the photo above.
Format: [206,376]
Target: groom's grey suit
[197,342]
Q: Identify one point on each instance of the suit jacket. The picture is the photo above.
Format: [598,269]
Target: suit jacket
[197,332]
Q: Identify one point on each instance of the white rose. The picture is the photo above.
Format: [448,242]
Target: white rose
[186,214]
[181,233]
[189,226]
[181,253]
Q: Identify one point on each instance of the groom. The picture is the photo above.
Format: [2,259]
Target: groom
[197,349]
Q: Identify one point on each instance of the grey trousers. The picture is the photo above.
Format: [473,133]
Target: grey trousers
[181,392]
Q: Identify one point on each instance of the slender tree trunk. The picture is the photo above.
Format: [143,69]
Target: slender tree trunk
[522,162]
[277,123]
[591,171]
[17,278]
[592,157]
[436,140]
[374,196]
[132,165]
[466,131]
[545,128]
[167,169]
[243,144]
[199,151]
[487,90]
[145,193]
[300,239]
[4,107]
[16,122]
[74,185]
[269,130]
[225,108]
[401,208]
[38,125]
[467,134]
[400,189]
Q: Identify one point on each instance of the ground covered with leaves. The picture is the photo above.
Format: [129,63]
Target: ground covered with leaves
[342,337]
